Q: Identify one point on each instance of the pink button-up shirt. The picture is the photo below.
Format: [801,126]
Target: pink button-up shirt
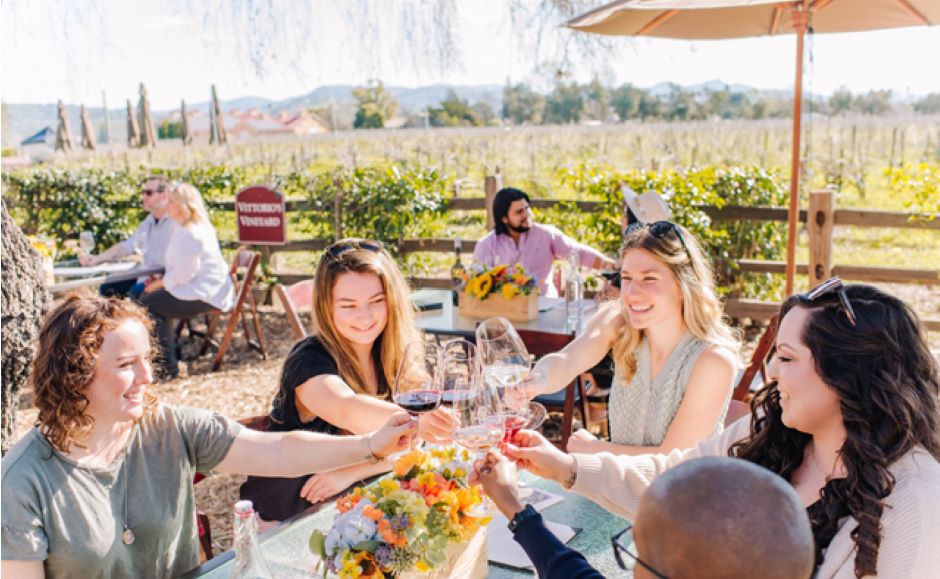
[537,248]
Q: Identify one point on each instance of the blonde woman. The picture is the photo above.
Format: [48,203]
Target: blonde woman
[196,278]
[674,357]
[337,380]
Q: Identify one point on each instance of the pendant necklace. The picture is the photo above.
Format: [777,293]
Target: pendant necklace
[128,535]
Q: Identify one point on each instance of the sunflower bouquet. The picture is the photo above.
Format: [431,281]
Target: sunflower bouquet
[509,281]
[404,522]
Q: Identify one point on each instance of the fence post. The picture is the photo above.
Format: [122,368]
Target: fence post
[338,209]
[819,224]
[491,184]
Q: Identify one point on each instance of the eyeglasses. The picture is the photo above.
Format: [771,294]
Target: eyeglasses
[832,285]
[340,247]
[659,229]
[620,549]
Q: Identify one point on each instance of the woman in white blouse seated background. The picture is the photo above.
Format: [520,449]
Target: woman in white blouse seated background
[197,278]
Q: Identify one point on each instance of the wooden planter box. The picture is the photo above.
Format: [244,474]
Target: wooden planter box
[464,561]
[515,309]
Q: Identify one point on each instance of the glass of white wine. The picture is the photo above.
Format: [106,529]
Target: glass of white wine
[86,242]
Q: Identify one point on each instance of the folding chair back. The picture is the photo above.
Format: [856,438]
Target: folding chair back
[296,298]
[541,344]
[758,362]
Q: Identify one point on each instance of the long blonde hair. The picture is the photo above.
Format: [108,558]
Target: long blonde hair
[190,202]
[400,330]
[701,310]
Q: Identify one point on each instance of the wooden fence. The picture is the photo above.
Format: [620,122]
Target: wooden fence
[820,219]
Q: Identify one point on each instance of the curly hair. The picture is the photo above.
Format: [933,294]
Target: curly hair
[888,388]
[66,358]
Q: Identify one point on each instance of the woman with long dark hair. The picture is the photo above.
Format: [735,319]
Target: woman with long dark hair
[851,419]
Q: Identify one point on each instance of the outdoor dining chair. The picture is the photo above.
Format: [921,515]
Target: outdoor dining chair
[296,298]
[244,264]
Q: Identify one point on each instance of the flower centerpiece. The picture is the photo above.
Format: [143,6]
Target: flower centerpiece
[46,248]
[502,290]
[415,520]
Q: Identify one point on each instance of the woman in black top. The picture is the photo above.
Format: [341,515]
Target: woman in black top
[337,381]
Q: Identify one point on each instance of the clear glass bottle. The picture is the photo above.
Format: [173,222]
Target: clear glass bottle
[574,292]
[249,563]
[457,270]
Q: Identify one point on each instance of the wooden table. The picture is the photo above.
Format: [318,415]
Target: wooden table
[286,551]
[448,321]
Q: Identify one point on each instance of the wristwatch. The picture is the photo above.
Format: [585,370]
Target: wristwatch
[522,516]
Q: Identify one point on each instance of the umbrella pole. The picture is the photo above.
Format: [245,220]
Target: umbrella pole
[793,214]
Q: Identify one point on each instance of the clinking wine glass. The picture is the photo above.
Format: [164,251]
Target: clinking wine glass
[459,367]
[86,242]
[506,362]
[417,388]
[481,424]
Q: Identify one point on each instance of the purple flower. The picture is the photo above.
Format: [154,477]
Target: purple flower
[401,522]
[383,555]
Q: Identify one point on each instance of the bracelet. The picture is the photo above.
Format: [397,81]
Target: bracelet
[573,477]
[370,455]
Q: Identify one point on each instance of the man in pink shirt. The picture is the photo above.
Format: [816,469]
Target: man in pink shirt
[518,239]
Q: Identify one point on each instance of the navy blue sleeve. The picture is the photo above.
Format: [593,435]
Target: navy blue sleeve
[552,558]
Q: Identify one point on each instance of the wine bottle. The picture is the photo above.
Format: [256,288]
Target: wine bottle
[249,563]
[457,270]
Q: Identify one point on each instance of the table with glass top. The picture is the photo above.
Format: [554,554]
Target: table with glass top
[285,547]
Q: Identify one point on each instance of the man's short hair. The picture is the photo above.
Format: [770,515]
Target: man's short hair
[161,179]
[505,197]
[725,517]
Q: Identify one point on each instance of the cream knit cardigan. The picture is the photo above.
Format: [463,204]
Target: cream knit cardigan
[910,544]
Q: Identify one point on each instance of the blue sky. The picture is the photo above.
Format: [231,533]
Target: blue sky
[88,46]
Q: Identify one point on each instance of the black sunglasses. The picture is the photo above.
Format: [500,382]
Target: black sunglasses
[832,285]
[620,549]
[340,247]
[659,229]
[149,192]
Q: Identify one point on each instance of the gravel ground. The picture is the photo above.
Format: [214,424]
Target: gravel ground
[246,385]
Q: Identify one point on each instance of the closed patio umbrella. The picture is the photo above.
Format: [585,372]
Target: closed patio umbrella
[724,19]
[63,134]
[133,129]
[147,136]
[88,133]
[217,127]
[184,124]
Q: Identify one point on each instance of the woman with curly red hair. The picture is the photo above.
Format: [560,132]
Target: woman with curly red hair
[102,487]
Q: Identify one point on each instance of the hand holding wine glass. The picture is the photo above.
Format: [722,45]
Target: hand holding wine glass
[417,388]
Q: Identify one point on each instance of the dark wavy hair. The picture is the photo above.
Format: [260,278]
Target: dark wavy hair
[66,358]
[504,199]
[888,388]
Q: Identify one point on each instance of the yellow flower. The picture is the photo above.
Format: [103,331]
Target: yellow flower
[510,290]
[422,566]
[498,270]
[486,284]
[410,460]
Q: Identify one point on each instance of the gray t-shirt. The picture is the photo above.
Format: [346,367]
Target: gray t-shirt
[71,516]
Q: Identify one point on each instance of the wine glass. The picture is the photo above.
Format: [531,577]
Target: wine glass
[506,362]
[480,423]
[86,242]
[459,366]
[417,388]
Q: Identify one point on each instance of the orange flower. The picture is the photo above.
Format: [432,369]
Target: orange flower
[347,503]
[390,536]
[372,513]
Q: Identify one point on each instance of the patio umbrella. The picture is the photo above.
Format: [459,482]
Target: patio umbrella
[133,129]
[63,134]
[147,136]
[88,133]
[723,19]
[184,124]
[217,128]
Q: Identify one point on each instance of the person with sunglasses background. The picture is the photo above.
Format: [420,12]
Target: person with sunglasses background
[337,380]
[517,238]
[851,419]
[708,518]
[674,356]
[150,239]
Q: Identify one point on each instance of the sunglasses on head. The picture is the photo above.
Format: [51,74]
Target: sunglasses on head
[659,229]
[340,247]
[830,286]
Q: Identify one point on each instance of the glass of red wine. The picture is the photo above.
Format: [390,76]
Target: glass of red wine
[417,388]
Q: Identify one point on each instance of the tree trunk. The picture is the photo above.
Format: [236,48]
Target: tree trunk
[25,299]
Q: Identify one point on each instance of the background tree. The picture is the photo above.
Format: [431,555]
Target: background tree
[565,104]
[170,130]
[25,300]
[597,100]
[522,105]
[929,104]
[841,101]
[874,102]
[374,106]
[625,100]
[453,112]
